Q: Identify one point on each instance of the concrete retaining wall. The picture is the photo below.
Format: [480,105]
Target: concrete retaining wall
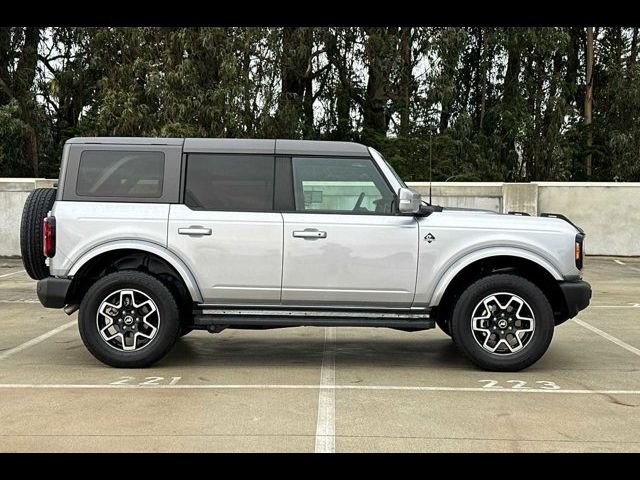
[608,212]
[13,193]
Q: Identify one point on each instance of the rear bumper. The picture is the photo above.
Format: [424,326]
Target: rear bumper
[576,296]
[52,291]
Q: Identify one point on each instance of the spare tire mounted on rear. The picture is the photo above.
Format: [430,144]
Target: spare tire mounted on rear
[36,207]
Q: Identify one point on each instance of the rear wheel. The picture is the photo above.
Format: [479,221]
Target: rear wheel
[129,319]
[36,207]
[503,323]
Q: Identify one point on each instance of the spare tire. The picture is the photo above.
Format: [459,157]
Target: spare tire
[37,206]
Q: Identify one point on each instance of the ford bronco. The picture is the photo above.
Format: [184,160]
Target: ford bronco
[151,238]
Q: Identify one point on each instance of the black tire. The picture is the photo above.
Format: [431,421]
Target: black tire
[443,324]
[532,350]
[167,329]
[38,204]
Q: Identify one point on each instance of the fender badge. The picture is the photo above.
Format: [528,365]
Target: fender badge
[429,238]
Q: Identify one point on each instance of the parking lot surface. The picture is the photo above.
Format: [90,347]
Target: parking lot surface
[323,389]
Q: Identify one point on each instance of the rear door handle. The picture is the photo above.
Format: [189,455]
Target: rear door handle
[309,234]
[193,230]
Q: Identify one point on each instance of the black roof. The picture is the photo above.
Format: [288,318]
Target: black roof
[238,145]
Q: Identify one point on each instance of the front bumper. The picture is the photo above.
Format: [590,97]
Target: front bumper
[52,291]
[576,296]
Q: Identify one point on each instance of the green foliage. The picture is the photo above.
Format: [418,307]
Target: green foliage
[13,137]
[482,103]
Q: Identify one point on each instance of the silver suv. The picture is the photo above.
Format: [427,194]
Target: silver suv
[151,238]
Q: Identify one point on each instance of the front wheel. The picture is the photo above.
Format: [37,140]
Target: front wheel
[129,319]
[503,323]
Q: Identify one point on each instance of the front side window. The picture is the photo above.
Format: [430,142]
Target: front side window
[230,182]
[117,173]
[342,185]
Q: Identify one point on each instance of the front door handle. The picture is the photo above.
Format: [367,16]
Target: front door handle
[194,230]
[309,234]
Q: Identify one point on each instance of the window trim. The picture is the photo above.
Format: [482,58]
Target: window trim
[183,181]
[394,202]
[171,172]
[155,197]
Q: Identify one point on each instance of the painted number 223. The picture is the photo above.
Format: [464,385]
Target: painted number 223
[520,384]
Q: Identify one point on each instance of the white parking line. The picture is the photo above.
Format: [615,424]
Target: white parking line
[611,338]
[12,273]
[519,391]
[35,341]
[19,301]
[635,305]
[619,262]
[326,423]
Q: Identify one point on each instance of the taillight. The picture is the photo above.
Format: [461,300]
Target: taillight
[49,236]
[579,250]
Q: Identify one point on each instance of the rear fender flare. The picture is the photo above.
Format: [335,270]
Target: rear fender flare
[184,272]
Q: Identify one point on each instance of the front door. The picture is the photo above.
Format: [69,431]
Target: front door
[226,230]
[344,245]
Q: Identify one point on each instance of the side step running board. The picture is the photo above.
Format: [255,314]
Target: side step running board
[206,321]
[212,317]
[254,312]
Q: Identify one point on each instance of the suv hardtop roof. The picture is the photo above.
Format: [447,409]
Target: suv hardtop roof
[238,145]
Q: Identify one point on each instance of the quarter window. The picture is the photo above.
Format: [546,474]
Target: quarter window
[340,185]
[120,174]
[230,182]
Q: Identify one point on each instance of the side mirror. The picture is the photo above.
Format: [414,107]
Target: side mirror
[408,201]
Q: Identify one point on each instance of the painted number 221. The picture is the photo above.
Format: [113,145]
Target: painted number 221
[520,384]
[146,381]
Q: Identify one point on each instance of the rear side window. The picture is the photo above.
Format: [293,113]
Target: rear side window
[120,174]
[230,182]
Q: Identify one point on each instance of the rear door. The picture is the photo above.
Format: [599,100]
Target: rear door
[226,229]
[344,244]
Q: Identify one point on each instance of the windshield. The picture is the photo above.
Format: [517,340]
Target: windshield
[395,174]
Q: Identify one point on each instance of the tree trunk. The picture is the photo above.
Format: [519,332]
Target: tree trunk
[22,82]
[463,85]
[509,98]
[511,82]
[588,99]
[633,54]
[555,102]
[296,54]
[537,165]
[406,79]
[307,105]
[618,47]
[476,67]
[573,64]
[483,83]
[376,117]
[337,55]
[5,58]
[26,69]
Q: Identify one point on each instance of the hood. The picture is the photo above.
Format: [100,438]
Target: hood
[511,221]
[468,210]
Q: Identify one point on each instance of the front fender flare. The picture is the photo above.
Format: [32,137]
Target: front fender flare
[460,264]
[184,272]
